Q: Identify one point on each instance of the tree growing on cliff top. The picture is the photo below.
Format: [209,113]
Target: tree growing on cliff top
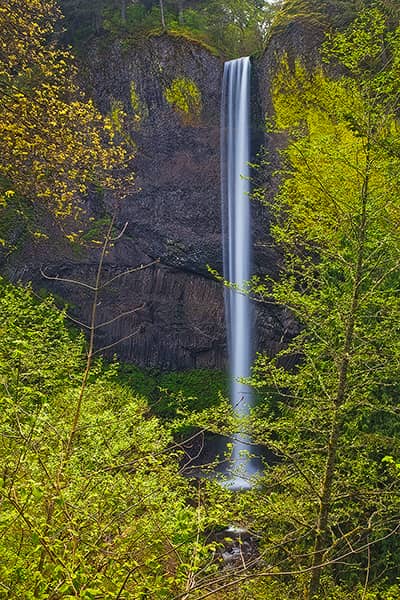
[54,142]
[334,417]
[339,13]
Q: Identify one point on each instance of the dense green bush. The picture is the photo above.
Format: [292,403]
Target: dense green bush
[173,393]
[108,518]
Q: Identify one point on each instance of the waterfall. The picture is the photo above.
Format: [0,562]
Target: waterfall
[236,227]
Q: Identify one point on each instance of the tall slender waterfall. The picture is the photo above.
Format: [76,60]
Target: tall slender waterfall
[235,156]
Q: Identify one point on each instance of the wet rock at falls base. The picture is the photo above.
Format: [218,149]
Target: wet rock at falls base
[206,454]
[237,548]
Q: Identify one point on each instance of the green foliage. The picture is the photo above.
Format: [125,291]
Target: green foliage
[113,517]
[54,142]
[185,97]
[176,393]
[37,355]
[333,418]
[360,47]
[119,124]
[233,28]
[135,100]
[338,13]
[95,233]
[138,21]
[190,392]
[17,220]
[117,115]
[331,15]
[139,108]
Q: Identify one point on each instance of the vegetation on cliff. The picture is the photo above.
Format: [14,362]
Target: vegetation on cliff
[184,95]
[231,28]
[54,142]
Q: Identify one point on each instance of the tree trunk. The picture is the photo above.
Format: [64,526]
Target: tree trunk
[98,17]
[123,11]
[181,18]
[329,473]
[164,28]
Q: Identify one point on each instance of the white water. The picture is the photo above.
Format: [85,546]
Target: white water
[235,187]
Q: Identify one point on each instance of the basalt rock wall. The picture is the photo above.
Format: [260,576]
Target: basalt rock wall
[169,315]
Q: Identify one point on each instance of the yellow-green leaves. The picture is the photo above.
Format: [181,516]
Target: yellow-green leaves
[54,142]
[338,129]
[185,97]
[361,45]
[117,115]
[139,108]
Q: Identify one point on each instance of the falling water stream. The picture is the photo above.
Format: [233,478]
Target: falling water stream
[235,187]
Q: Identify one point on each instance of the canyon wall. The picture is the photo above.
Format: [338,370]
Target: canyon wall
[172,214]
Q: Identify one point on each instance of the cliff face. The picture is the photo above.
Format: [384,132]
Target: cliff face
[297,40]
[173,216]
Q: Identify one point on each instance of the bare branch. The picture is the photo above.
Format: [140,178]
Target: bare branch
[121,233]
[274,573]
[129,271]
[124,314]
[65,280]
[80,323]
[118,341]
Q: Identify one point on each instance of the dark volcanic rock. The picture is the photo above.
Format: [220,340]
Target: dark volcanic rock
[173,216]
[237,548]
